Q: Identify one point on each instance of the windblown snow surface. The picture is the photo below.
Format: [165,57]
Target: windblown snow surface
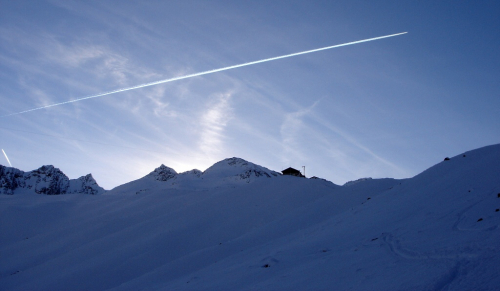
[239,226]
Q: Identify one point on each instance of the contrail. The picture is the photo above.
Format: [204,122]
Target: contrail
[206,73]
[6,157]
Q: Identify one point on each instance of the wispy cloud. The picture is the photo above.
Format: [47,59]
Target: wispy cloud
[160,105]
[71,55]
[290,131]
[354,142]
[213,122]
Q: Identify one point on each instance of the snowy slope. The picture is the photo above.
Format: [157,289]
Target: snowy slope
[436,231]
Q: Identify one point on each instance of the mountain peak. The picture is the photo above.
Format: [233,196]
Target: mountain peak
[47,180]
[163,173]
[48,169]
[235,161]
[238,169]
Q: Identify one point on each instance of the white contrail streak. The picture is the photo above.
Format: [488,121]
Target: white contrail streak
[6,157]
[205,73]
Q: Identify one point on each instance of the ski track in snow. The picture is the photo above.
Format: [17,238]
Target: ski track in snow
[397,249]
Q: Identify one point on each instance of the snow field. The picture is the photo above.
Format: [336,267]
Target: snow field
[235,229]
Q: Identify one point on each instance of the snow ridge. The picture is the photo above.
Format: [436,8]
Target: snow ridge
[221,174]
[354,182]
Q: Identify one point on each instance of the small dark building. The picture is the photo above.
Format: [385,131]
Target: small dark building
[292,172]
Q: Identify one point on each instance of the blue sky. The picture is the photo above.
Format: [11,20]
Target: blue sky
[387,108]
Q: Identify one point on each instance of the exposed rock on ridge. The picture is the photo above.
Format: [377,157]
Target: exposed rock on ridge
[162,173]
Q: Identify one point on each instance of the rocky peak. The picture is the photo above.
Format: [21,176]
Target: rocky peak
[46,180]
[9,179]
[163,173]
[85,185]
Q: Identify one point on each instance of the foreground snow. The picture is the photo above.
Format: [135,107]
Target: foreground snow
[227,230]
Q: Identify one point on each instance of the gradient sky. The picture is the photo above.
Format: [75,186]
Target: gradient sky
[387,108]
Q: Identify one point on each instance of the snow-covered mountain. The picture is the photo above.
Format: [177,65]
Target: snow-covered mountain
[226,173]
[221,230]
[237,169]
[45,180]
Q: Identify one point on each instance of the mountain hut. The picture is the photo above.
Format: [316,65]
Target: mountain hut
[292,172]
